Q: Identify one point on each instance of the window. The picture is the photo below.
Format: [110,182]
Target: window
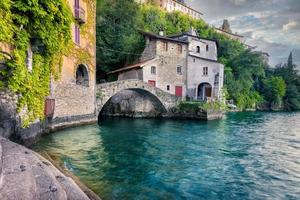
[77,34]
[205,71]
[217,77]
[76,7]
[165,46]
[82,76]
[198,49]
[168,87]
[179,70]
[153,70]
[207,47]
[179,48]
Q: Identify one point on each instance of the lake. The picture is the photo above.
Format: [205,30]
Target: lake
[247,155]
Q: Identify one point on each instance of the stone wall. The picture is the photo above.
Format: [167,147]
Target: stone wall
[10,122]
[168,63]
[150,49]
[131,74]
[73,100]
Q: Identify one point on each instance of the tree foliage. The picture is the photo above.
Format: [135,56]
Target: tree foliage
[118,40]
[291,77]
[274,89]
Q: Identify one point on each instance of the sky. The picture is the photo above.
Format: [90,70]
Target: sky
[271,25]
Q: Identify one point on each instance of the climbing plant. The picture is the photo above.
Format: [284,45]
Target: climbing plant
[45,27]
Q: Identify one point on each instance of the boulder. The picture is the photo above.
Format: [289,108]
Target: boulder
[26,175]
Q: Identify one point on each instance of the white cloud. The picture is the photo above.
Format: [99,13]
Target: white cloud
[290,25]
[271,25]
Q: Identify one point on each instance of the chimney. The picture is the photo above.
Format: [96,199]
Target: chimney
[161,33]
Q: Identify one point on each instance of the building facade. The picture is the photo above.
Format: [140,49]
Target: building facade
[204,73]
[184,65]
[74,92]
[173,5]
[163,64]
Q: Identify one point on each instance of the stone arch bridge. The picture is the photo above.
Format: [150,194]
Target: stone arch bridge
[104,93]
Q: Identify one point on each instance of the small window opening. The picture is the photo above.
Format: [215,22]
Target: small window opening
[165,46]
[205,71]
[82,77]
[179,48]
[153,70]
[179,70]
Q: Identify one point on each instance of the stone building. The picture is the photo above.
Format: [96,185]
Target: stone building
[204,80]
[173,5]
[74,92]
[184,65]
[226,30]
[163,64]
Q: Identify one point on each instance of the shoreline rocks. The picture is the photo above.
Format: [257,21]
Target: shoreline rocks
[26,175]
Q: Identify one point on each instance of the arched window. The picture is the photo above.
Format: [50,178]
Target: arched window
[82,75]
[198,49]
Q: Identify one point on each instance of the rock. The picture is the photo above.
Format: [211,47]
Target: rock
[26,175]
[8,114]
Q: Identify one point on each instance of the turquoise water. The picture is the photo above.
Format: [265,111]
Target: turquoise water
[244,156]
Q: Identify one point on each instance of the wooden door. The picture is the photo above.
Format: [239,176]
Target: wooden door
[208,91]
[178,91]
[151,82]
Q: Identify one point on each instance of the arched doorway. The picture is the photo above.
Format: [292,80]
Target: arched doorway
[204,91]
[82,75]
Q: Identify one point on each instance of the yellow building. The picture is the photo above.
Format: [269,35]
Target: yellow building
[173,5]
[73,95]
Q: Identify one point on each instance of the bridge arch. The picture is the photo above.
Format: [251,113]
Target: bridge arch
[133,102]
[106,92]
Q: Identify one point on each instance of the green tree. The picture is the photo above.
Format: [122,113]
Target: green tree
[118,40]
[291,77]
[290,62]
[274,89]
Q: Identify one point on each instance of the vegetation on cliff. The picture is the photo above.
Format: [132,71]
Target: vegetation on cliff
[249,81]
[43,27]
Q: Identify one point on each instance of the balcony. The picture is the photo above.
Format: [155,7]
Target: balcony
[79,14]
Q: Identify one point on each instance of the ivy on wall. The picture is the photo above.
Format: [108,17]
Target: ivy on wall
[45,27]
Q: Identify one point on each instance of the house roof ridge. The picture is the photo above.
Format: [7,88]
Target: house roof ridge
[132,66]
